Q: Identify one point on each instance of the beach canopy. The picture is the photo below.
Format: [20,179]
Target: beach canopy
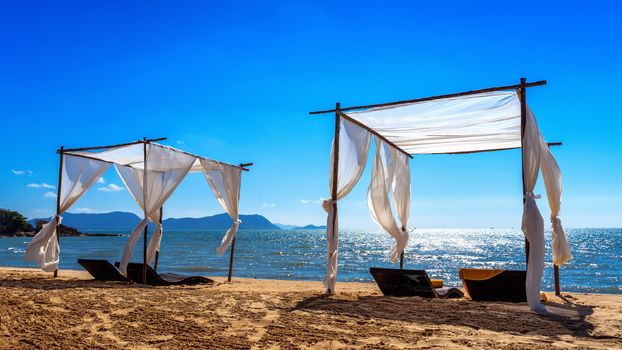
[151,172]
[478,121]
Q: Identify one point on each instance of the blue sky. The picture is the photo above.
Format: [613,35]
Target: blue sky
[234,81]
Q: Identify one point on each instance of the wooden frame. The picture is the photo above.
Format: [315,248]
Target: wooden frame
[339,113]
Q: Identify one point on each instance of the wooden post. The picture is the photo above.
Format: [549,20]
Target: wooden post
[402,254]
[334,185]
[145,210]
[523,119]
[558,291]
[233,242]
[60,182]
[157,254]
[402,260]
[231,260]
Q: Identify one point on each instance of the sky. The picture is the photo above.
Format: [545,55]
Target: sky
[234,81]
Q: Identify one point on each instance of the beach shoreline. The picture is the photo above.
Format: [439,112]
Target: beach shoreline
[73,311]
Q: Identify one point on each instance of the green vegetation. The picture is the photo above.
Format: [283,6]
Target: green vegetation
[12,222]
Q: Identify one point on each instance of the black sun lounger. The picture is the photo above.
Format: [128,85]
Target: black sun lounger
[135,273]
[494,285]
[102,270]
[407,283]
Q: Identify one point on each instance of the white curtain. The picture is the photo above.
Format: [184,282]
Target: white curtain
[536,156]
[224,180]
[553,183]
[390,173]
[532,222]
[78,175]
[165,169]
[353,149]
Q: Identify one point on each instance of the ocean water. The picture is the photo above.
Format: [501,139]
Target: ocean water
[301,254]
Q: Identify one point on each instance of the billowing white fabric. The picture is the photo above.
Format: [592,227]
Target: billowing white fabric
[43,248]
[78,175]
[532,222]
[390,173]
[165,169]
[353,149]
[132,156]
[553,183]
[485,121]
[224,180]
[536,156]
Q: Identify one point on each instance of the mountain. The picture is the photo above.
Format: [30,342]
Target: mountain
[285,226]
[310,227]
[126,221]
[220,221]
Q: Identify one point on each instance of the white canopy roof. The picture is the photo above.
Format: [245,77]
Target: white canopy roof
[479,122]
[132,155]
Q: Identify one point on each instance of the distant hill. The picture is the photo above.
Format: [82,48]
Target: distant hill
[285,227]
[310,227]
[221,221]
[126,221]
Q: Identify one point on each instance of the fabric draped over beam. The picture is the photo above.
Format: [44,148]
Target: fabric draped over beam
[479,122]
[165,168]
[390,173]
[78,175]
[225,180]
[536,157]
[353,149]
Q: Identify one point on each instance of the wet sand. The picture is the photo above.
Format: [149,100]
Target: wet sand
[75,312]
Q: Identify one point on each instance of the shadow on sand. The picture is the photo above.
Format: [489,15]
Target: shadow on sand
[50,283]
[514,318]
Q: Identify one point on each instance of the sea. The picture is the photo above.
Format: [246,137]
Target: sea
[596,266]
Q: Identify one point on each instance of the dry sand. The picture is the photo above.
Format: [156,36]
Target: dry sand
[75,312]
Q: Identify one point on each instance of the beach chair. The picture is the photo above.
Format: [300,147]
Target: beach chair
[102,270]
[407,283]
[494,285]
[135,273]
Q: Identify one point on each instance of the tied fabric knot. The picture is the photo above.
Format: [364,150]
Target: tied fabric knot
[229,237]
[556,223]
[327,204]
[58,218]
[530,195]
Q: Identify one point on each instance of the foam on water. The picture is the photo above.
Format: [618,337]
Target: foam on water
[301,254]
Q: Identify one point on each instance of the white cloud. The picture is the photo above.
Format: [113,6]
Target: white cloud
[101,180]
[49,194]
[41,185]
[82,210]
[268,205]
[314,201]
[21,172]
[180,142]
[110,188]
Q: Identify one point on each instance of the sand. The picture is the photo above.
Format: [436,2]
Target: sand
[75,312]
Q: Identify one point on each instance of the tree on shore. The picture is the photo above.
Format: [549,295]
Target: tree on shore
[13,222]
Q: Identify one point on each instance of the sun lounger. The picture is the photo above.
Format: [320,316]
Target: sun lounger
[135,273]
[406,283]
[494,285]
[102,270]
